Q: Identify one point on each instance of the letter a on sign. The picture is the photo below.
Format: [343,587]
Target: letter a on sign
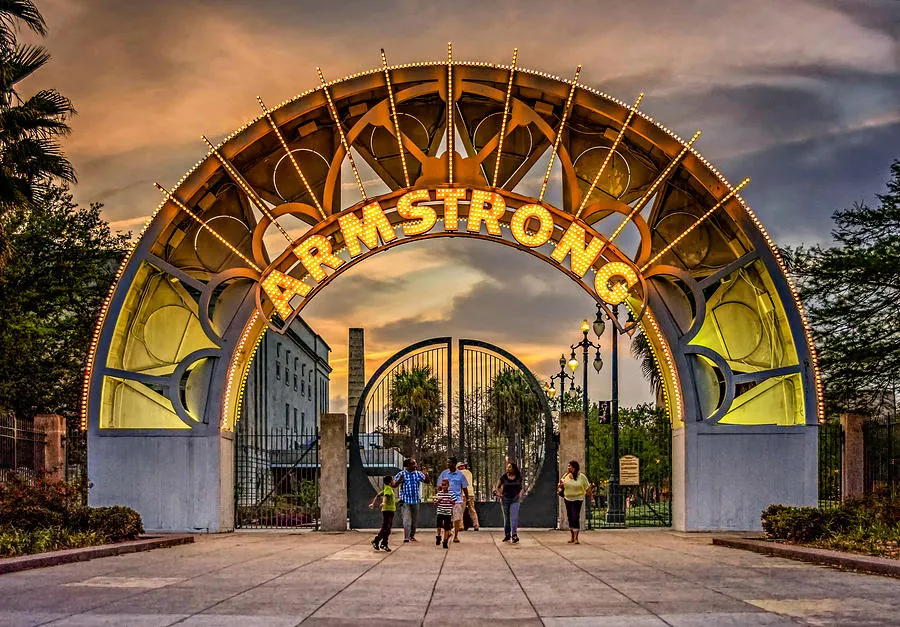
[281,288]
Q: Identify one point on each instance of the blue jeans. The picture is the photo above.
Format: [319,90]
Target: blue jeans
[510,517]
[410,514]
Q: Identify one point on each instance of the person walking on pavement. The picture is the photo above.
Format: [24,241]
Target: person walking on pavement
[509,489]
[459,487]
[388,508]
[444,502]
[410,480]
[574,487]
[470,501]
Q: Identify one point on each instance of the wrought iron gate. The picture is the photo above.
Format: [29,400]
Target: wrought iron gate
[500,411]
[649,438]
[276,481]
[831,448]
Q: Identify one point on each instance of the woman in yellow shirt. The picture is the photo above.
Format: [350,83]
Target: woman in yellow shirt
[575,487]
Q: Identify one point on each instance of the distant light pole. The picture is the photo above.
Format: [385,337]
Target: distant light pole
[562,376]
[615,512]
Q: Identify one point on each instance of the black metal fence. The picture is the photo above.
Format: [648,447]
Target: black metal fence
[881,444]
[21,448]
[647,436]
[276,479]
[831,448]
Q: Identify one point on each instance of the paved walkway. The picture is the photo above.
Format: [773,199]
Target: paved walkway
[630,577]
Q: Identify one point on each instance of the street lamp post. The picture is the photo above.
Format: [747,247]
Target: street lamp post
[562,376]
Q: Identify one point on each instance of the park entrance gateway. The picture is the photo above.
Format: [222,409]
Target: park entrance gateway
[623,207]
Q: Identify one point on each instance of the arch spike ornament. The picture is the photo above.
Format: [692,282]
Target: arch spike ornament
[559,133]
[291,158]
[612,151]
[176,338]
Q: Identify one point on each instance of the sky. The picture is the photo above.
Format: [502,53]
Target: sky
[802,96]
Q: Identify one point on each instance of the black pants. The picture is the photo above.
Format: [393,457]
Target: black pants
[573,511]
[387,521]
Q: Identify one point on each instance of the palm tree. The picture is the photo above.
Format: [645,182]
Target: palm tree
[415,405]
[514,409]
[642,351]
[30,154]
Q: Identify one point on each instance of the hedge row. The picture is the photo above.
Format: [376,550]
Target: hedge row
[810,524]
[56,505]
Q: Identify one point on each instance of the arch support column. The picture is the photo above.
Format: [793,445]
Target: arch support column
[333,478]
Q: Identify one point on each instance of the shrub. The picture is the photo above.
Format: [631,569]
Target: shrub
[117,523]
[15,542]
[46,503]
[796,524]
[55,505]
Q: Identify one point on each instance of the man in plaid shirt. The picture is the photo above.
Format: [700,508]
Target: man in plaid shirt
[410,480]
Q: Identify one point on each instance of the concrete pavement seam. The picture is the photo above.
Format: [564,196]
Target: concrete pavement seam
[434,587]
[685,579]
[353,581]
[513,573]
[146,591]
[605,583]
[262,583]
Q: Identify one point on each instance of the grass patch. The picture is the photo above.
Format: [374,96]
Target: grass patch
[16,542]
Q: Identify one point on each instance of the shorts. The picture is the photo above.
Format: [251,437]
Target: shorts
[444,522]
[458,509]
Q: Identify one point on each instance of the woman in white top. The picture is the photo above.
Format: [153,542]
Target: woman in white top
[575,487]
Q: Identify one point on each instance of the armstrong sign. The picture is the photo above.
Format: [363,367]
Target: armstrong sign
[416,214]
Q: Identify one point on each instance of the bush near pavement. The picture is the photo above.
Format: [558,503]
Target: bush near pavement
[49,515]
[869,525]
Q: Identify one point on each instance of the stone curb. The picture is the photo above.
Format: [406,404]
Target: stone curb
[852,561]
[67,556]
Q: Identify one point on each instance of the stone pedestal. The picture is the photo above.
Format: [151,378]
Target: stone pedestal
[53,426]
[571,446]
[853,456]
[333,478]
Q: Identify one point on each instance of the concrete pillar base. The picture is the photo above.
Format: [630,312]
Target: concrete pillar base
[571,446]
[333,473]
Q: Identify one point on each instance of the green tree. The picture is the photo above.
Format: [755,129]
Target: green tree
[852,295]
[415,406]
[63,260]
[641,351]
[30,128]
[513,410]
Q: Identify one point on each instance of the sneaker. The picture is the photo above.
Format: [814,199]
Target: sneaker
[385,547]
[446,546]
[505,539]
[456,539]
[437,540]
[375,545]
[515,539]
[405,539]
[413,539]
[475,529]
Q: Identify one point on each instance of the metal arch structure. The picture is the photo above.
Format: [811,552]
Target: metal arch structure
[234,241]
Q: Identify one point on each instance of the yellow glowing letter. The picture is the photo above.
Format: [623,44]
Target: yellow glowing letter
[451,197]
[425,214]
[619,291]
[315,252]
[572,242]
[478,213]
[520,219]
[281,288]
[367,230]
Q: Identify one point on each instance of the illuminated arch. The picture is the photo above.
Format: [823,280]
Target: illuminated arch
[180,326]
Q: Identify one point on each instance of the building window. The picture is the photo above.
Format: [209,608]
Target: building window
[278,350]
[295,418]
[287,415]
[303,371]
[295,383]
[295,363]
[278,371]
[303,387]
[310,392]
[303,420]
[287,378]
